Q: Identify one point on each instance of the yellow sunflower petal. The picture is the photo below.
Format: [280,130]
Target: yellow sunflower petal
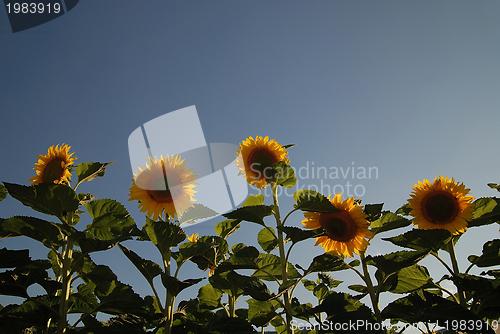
[53,167]
[347,230]
[443,204]
[156,195]
[255,157]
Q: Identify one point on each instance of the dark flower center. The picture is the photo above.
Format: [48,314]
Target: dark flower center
[440,207]
[260,161]
[159,190]
[339,226]
[53,171]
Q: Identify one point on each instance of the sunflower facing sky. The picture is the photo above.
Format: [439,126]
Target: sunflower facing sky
[443,204]
[257,156]
[347,230]
[53,167]
[157,195]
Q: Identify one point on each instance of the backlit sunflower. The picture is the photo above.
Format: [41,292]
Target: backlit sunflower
[257,156]
[347,230]
[441,205]
[164,186]
[53,167]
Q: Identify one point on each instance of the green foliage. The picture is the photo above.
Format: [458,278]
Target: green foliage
[88,171]
[3,192]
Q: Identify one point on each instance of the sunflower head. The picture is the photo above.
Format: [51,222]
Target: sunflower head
[53,166]
[256,158]
[164,185]
[443,204]
[193,238]
[346,230]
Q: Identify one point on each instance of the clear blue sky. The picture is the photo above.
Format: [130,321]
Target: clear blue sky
[411,88]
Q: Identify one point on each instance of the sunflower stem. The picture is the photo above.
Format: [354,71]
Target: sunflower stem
[371,290]
[66,281]
[456,271]
[169,301]
[281,245]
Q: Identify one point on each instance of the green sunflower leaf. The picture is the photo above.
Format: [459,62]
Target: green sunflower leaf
[227,227]
[254,214]
[422,239]
[389,221]
[253,200]
[327,262]
[164,235]
[296,234]
[175,286]
[310,200]
[490,256]
[38,229]
[14,258]
[410,279]
[87,171]
[147,268]
[3,192]
[209,297]
[260,313]
[486,211]
[267,239]
[48,198]
[285,174]
[269,268]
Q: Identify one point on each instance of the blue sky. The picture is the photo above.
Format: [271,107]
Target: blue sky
[411,88]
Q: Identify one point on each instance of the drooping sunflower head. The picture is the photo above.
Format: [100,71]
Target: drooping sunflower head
[53,166]
[347,230]
[443,204]
[256,158]
[164,185]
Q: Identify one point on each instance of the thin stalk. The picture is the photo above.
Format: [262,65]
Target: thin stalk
[370,287]
[169,301]
[232,306]
[456,271]
[66,285]
[284,275]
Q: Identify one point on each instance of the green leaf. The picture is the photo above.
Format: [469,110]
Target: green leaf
[148,269]
[227,227]
[254,214]
[490,256]
[260,313]
[109,219]
[38,229]
[404,210]
[296,234]
[188,250]
[285,175]
[3,192]
[243,257]
[48,198]
[310,200]
[256,289]
[16,282]
[423,306]
[389,221]
[267,239]
[486,211]
[422,239]
[342,308]
[14,258]
[326,262]
[209,297]
[391,263]
[195,213]
[269,264]
[374,211]
[253,200]
[87,171]
[175,286]
[410,279]
[485,293]
[164,235]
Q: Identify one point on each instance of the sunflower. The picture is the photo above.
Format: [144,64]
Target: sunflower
[164,185]
[347,230]
[53,167]
[441,205]
[257,156]
[193,238]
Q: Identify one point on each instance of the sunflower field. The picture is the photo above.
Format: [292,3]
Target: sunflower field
[438,213]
